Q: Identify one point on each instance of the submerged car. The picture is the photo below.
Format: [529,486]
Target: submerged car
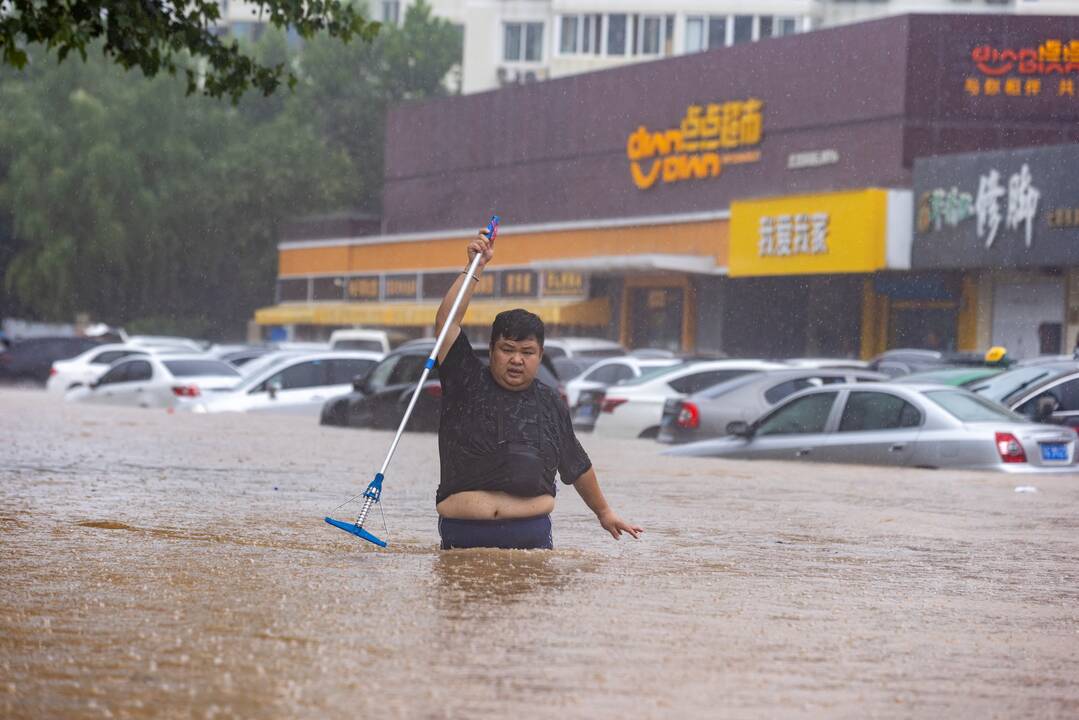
[1009,386]
[928,426]
[634,409]
[707,413]
[380,399]
[1053,400]
[612,371]
[89,366]
[297,385]
[158,381]
[31,360]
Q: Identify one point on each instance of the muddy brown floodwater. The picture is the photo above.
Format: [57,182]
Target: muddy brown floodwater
[175,566]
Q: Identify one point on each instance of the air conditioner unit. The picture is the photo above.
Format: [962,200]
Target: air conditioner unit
[519,75]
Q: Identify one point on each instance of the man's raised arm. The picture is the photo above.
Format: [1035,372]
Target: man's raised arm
[481,245]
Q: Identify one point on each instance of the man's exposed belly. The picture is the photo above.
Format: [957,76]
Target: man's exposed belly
[488,505]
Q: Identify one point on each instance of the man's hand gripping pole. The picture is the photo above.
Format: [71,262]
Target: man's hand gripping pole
[373,493]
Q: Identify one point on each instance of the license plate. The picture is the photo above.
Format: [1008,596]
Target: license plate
[1054,451]
[585,412]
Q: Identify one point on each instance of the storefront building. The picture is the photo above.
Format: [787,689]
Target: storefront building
[1008,223]
[754,200]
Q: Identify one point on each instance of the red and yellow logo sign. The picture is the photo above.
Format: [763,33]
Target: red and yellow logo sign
[708,137]
[1022,72]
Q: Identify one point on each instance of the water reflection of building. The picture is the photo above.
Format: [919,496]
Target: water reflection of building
[755,199]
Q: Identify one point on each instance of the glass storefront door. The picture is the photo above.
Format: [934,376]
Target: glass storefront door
[655,317]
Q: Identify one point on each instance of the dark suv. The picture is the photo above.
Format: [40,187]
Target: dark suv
[30,360]
[380,398]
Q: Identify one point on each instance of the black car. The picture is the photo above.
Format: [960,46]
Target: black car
[379,399]
[30,360]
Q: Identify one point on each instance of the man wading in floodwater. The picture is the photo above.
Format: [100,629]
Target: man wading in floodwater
[503,435]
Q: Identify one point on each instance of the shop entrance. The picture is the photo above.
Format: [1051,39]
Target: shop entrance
[794,316]
[655,317]
[1028,316]
[928,326]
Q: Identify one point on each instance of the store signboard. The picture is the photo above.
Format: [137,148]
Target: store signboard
[1005,209]
[565,283]
[436,285]
[402,287]
[709,137]
[519,283]
[839,232]
[364,288]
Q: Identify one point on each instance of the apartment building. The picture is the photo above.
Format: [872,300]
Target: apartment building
[518,41]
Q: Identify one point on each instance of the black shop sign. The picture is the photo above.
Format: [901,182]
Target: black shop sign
[1007,209]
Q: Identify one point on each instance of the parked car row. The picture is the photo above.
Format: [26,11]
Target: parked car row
[379,399]
[893,424]
[953,412]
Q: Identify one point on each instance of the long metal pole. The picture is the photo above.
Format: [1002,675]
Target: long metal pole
[432,359]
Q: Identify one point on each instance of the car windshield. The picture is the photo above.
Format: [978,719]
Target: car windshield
[600,353]
[651,374]
[265,362]
[967,407]
[374,345]
[727,386]
[950,376]
[200,368]
[1002,387]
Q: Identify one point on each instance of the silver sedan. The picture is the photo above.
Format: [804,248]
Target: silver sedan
[932,426]
[706,414]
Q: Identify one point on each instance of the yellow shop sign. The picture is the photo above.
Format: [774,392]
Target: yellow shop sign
[708,137]
[837,232]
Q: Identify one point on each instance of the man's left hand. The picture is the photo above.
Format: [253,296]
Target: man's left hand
[616,525]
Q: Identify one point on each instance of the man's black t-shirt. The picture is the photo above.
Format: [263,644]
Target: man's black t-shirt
[518,455]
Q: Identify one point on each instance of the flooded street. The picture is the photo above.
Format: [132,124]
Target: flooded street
[166,566]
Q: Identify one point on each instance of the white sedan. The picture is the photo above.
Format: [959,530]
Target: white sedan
[158,381]
[86,368]
[611,372]
[89,366]
[298,384]
[634,409]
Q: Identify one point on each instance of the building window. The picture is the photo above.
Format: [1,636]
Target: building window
[569,41]
[523,42]
[743,29]
[765,25]
[717,31]
[580,34]
[651,28]
[391,11]
[695,39]
[616,34]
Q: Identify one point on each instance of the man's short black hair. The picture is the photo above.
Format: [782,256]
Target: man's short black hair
[517,324]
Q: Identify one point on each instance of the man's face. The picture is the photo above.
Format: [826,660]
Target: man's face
[514,363]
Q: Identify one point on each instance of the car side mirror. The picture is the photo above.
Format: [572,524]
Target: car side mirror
[1044,408]
[739,428]
[273,387]
[359,383]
